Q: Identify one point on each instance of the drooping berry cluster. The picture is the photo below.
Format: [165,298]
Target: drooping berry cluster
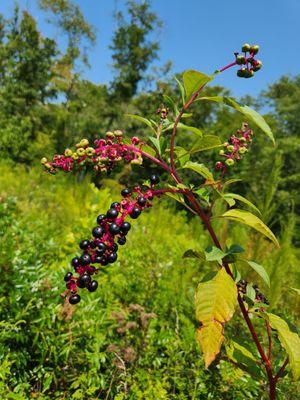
[236,146]
[101,157]
[259,297]
[250,64]
[111,231]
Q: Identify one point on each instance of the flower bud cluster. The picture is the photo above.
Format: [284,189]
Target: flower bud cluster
[102,157]
[236,146]
[247,60]
[259,297]
[110,232]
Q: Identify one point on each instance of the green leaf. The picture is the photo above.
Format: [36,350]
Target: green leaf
[260,270]
[182,90]
[246,218]
[243,357]
[182,155]
[235,249]
[289,340]
[141,119]
[207,142]
[201,169]
[159,144]
[231,181]
[148,149]
[171,104]
[194,254]
[180,125]
[213,253]
[215,302]
[193,81]
[229,196]
[251,114]
[250,292]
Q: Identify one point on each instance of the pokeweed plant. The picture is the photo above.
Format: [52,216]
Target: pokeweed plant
[220,293]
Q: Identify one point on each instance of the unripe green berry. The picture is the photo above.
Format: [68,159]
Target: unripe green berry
[89,151]
[118,133]
[80,152]
[68,152]
[250,73]
[84,143]
[229,162]
[254,49]
[75,156]
[246,47]
[257,65]
[136,161]
[44,160]
[221,152]
[110,135]
[240,59]
[230,148]
[243,150]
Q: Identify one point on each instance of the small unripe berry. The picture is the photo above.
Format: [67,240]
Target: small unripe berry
[118,133]
[110,135]
[44,160]
[84,143]
[154,179]
[89,151]
[240,59]
[92,286]
[74,299]
[246,47]
[257,65]
[68,152]
[136,161]
[80,151]
[219,165]
[229,162]
[230,148]
[250,73]
[243,150]
[254,49]
[221,152]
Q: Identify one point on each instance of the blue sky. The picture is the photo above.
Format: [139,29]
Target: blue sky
[202,35]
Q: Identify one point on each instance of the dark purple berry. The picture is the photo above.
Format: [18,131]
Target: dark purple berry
[154,179]
[68,276]
[93,245]
[135,213]
[85,259]
[122,240]
[98,232]
[92,286]
[141,201]
[102,246]
[125,227]
[104,261]
[75,262]
[112,213]
[74,299]
[98,259]
[115,204]
[100,218]
[83,280]
[112,257]
[84,244]
[126,192]
[115,247]
[114,229]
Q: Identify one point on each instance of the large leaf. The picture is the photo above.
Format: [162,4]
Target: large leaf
[229,196]
[246,360]
[189,128]
[245,217]
[205,143]
[141,119]
[193,81]
[251,114]
[289,340]
[260,270]
[200,169]
[159,144]
[215,302]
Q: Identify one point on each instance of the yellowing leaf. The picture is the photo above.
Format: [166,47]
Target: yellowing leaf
[228,196]
[289,340]
[210,338]
[215,302]
[193,81]
[245,217]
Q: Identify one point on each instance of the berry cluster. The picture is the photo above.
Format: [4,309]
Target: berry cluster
[105,154]
[236,146]
[110,232]
[163,111]
[250,64]
[259,297]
